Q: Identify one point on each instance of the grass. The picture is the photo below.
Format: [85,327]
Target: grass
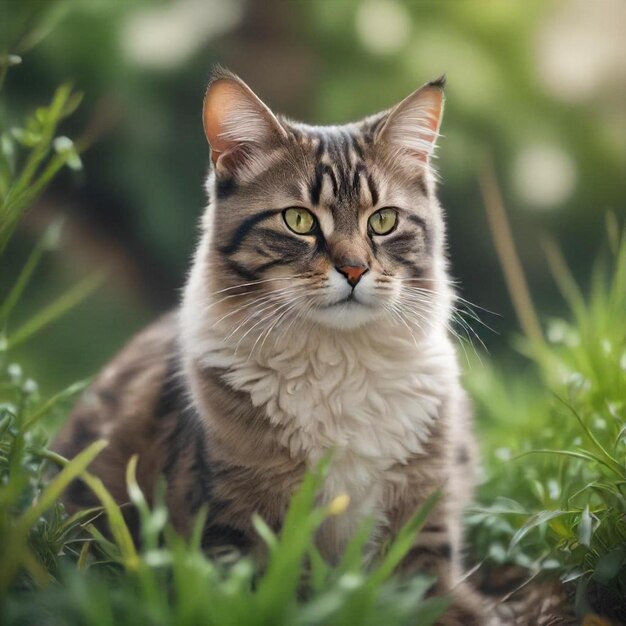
[552,500]
[554,497]
[70,574]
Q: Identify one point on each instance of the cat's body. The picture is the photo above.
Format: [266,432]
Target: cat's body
[307,330]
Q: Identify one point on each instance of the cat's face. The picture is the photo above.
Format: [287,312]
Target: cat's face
[336,225]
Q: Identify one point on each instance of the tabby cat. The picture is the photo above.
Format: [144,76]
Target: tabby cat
[315,318]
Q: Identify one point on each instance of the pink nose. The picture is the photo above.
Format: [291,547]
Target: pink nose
[352,273]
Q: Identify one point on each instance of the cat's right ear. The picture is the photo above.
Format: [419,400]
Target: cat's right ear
[238,126]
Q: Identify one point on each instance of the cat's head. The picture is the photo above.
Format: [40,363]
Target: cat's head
[338,225]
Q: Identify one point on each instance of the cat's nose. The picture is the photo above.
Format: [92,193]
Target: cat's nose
[352,273]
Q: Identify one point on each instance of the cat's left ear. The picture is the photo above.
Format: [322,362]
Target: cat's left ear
[413,125]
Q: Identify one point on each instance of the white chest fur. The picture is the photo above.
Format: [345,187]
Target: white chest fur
[369,395]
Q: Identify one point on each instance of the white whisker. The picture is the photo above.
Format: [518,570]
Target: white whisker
[274,295]
[292,305]
[260,282]
[256,311]
[287,306]
[264,318]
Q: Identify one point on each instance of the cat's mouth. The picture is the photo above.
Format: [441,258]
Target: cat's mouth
[349,301]
[347,312]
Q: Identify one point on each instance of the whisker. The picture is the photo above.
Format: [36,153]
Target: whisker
[470,306]
[260,282]
[274,295]
[416,297]
[468,328]
[404,280]
[300,313]
[398,314]
[247,293]
[475,317]
[476,306]
[292,305]
[256,312]
[263,319]
[411,313]
[270,328]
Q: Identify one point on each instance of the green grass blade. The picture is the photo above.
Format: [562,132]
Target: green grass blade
[609,461]
[575,454]
[119,529]
[52,493]
[47,406]
[49,241]
[54,310]
[535,520]
[404,540]
[564,280]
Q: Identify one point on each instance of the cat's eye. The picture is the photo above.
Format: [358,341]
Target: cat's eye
[383,221]
[300,221]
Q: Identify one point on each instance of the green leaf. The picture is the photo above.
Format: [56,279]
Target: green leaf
[81,564]
[47,242]
[352,558]
[134,491]
[72,103]
[117,525]
[609,566]
[62,396]
[54,310]
[429,611]
[404,540]
[535,520]
[609,461]
[55,488]
[576,454]
[264,531]
[26,138]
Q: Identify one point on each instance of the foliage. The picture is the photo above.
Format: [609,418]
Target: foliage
[17,192]
[33,527]
[555,446]
[81,577]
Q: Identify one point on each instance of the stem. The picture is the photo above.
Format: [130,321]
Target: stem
[509,259]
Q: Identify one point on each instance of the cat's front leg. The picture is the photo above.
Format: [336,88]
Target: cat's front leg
[435,560]
[436,553]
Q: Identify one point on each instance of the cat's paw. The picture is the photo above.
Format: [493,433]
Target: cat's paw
[467,609]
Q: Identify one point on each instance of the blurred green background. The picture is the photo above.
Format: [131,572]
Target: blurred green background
[539,85]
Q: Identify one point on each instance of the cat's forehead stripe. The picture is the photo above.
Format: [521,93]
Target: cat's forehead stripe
[339,166]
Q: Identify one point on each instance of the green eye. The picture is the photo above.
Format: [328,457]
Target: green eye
[384,221]
[299,220]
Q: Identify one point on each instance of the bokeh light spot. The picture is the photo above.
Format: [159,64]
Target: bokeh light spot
[167,35]
[544,175]
[383,26]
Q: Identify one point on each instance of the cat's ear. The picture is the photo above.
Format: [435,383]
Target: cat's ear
[413,125]
[238,126]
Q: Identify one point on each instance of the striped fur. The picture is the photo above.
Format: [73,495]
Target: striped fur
[274,358]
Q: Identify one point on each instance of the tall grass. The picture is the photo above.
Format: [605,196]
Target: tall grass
[87,579]
[554,441]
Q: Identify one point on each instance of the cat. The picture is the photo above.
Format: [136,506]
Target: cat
[315,321]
